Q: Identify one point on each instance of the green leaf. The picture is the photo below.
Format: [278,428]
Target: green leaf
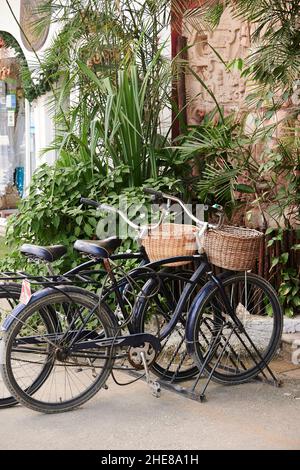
[269,310]
[285,290]
[284,258]
[56,221]
[269,114]
[90,74]
[296,301]
[244,188]
[269,231]
[275,261]
[77,231]
[92,221]
[295,290]
[289,311]
[88,230]
[79,219]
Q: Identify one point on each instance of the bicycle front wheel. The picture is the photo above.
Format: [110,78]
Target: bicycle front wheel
[75,373]
[236,346]
[155,308]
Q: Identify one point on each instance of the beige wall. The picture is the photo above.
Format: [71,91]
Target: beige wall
[231,39]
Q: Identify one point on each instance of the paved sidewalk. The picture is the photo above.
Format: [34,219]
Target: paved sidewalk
[250,416]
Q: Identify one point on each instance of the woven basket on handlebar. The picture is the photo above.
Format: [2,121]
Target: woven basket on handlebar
[233,248]
[169,241]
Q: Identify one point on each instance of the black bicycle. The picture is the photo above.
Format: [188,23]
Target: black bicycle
[85,273]
[81,342]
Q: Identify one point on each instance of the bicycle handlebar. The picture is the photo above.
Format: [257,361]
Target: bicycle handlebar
[215,208]
[159,194]
[105,207]
[153,192]
[89,202]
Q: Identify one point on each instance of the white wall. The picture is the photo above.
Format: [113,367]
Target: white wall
[8,23]
[42,116]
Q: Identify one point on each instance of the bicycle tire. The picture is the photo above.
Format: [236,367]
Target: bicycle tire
[168,371]
[206,315]
[79,297]
[11,291]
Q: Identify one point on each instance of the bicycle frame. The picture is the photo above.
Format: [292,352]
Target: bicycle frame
[81,272]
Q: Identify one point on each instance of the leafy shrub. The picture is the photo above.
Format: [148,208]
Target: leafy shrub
[52,213]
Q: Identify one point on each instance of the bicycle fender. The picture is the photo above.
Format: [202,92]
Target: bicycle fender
[193,313]
[139,303]
[17,311]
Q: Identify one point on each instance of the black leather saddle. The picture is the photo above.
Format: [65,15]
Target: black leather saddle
[45,253]
[98,248]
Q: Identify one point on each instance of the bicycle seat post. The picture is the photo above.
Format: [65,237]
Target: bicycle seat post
[108,269]
[50,269]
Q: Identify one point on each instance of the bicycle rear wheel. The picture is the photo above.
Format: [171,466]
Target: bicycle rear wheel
[237,354]
[74,374]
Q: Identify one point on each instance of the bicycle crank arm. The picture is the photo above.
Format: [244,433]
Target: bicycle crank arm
[134,340]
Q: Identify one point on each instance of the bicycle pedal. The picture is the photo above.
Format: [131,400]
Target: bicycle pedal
[156,389]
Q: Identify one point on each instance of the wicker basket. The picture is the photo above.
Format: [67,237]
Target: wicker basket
[10,199]
[170,240]
[233,248]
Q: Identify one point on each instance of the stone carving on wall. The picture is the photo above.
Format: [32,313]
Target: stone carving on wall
[231,39]
[29,14]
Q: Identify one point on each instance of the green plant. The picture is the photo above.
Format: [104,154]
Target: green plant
[289,289]
[4,250]
[128,126]
[223,153]
[52,213]
[108,138]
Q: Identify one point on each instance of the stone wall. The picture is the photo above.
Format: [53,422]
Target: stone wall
[231,40]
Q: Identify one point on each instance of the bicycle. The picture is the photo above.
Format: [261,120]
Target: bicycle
[91,341]
[10,291]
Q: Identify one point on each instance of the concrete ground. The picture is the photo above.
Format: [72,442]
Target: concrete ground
[250,416]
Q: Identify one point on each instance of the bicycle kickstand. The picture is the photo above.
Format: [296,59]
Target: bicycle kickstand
[153,384]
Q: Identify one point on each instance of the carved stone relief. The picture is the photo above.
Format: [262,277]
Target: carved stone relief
[30,13]
[231,40]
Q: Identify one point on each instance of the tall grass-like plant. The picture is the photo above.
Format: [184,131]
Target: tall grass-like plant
[127,123]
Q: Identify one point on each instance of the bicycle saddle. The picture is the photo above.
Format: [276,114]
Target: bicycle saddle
[98,248]
[45,253]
